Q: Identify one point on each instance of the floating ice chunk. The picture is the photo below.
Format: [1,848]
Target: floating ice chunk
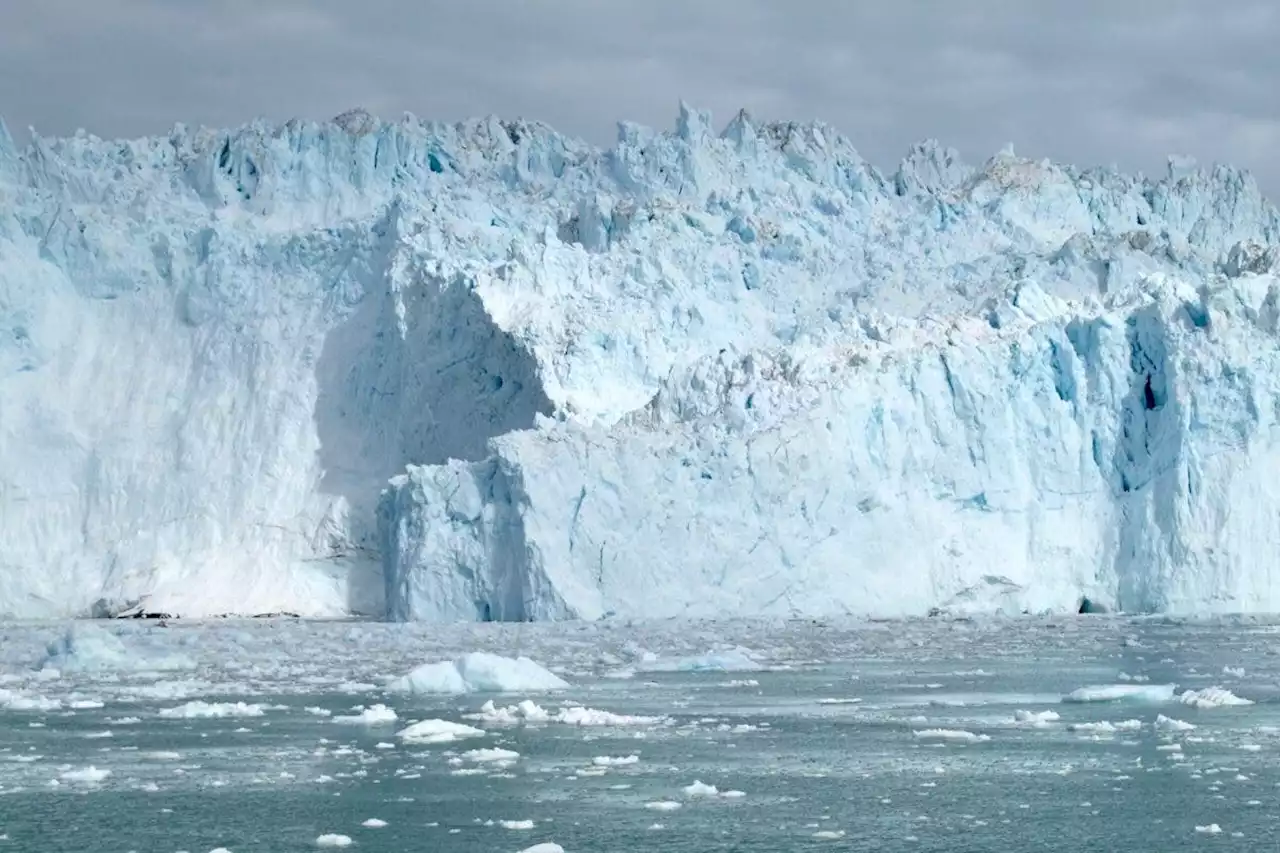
[578,715]
[440,678]
[202,710]
[571,715]
[545,847]
[90,775]
[736,659]
[168,689]
[85,646]
[662,806]
[1136,679]
[14,700]
[829,834]
[479,672]
[1105,727]
[333,839]
[1122,692]
[1212,697]
[374,715]
[956,735]
[1169,724]
[437,731]
[1036,719]
[611,761]
[374,823]
[485,756]
[511,715]
[516,824]
[1209,829]
[356,687]
[700,789]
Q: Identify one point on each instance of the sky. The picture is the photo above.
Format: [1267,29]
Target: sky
[1092,82]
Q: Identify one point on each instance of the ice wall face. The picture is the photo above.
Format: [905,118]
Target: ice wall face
[214,351]
[697,373]
[1127,459]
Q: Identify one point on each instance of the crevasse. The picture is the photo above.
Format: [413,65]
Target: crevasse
[484,371]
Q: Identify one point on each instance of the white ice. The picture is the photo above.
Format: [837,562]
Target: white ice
[528,711]
[333,840]
[201,710]
[1105,727]
[374,715]
[1036,719]
[479,672]
[491,755]
[483,371]
[1118,692]
[1212,697]
[437,731]
[1169,724]
[729,660]
[957,735]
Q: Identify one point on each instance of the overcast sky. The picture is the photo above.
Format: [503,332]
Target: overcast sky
[1095,82]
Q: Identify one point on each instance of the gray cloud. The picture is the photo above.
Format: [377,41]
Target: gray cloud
[1090,81]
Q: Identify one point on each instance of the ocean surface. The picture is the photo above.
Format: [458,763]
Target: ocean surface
[1083,733]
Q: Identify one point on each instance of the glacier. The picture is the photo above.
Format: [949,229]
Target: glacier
[484,371]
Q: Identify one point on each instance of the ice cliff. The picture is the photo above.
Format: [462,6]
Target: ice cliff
[484,371]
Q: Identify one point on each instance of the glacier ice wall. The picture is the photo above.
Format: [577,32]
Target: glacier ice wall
[695,374]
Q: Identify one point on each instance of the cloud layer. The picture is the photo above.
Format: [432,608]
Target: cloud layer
[1089,81]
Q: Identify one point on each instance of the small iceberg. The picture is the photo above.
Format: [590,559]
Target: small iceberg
[478,672]
[736,659]
[1122,692]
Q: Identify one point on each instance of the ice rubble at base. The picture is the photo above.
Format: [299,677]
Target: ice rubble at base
[695,374]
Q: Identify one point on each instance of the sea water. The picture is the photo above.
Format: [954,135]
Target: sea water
[1074,734]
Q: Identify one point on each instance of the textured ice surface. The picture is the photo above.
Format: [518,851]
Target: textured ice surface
[695,374]
[730,660]
[479,672]
[1119,692]
[86,646]
[1212,697]
[437,731]
[375,715]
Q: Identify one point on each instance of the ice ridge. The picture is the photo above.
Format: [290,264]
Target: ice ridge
[485,371]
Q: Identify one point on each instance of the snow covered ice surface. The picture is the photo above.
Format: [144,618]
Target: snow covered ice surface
[696,374]
[945,734]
